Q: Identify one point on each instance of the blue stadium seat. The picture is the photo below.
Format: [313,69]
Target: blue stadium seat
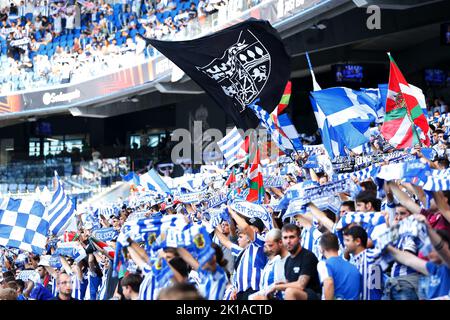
[77,33]
[133,33]
[120,41]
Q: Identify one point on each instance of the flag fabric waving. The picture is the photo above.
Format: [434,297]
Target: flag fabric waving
[405,124]
[344,116]
[256,187]
[152,181]
[22,225]
[61,209]
[231,145]
[235,66]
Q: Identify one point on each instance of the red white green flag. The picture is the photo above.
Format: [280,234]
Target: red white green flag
[405,124]
[231,178]
[255,177]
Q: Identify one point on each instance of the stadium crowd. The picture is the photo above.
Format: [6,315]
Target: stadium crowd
[385,235]
[44,43]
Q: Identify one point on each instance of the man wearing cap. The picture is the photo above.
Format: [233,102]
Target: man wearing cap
[250,261]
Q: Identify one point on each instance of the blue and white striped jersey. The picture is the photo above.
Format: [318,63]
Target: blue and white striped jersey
[148,289]
[371,272]
[251,264]
[273,272]
[76,287]
[310,240]
[212,285]
[405,244]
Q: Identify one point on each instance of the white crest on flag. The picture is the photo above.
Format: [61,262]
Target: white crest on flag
[243,70]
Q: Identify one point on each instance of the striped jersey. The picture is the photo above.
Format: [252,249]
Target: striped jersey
[273,272]
[310,240]
[76,287]
[148,289]
[371,272]
[251,264]
[410,244]
[212,285]
[102,289]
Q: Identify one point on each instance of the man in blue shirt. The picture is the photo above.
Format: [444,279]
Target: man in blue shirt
[340,279]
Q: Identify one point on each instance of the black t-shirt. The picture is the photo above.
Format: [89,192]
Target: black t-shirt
[304,263]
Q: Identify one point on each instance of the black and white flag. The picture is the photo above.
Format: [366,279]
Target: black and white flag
[235,66]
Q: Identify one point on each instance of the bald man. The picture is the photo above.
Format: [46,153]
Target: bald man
[273,272]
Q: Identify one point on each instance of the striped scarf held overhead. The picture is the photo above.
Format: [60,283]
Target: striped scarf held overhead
[373,222]
[409,227]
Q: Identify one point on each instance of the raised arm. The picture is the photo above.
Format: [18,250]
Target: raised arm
[242,224]
[223,239]
[190,260]
[321,216]
[408,259]
[438,243]
[136,256]
[442,204]
[404,198]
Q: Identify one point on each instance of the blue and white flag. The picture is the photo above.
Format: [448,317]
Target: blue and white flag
[290,131]
[60,210]
[280,140]
[230,145]
[133,177]
[343,116]
[22,225]
[152,181]
[379,95]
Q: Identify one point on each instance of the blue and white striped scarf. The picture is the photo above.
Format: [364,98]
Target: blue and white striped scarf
[373,222]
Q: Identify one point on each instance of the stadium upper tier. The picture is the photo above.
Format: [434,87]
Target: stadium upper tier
[73,41]
[64,42]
